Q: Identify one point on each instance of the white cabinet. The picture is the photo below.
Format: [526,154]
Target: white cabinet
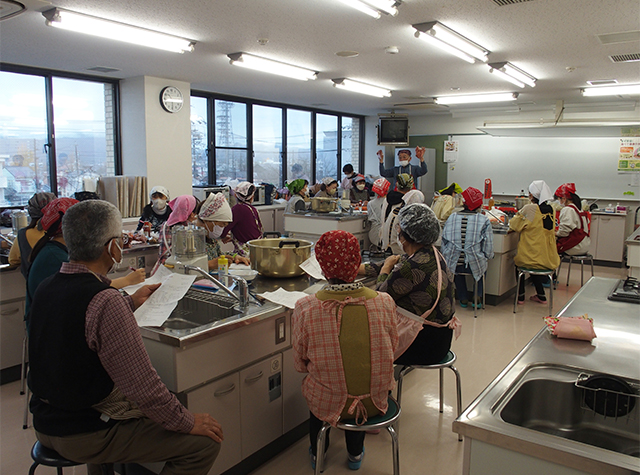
[500,277]
[11,333]
[272,218]
[607,237]
[221,399]
[295,409]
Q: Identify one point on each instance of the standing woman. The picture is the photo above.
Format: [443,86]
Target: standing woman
[298,189]
[573,229]
[246,224]
[374,209]
[537,244]
[390,209]
[157,212]
[29,236]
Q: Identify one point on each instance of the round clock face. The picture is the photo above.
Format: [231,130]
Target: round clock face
[171,99]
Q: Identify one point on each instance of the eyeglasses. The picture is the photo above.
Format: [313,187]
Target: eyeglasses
[111,239]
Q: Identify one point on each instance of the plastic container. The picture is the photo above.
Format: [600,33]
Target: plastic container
[223,269]
[621,209]
[609,209]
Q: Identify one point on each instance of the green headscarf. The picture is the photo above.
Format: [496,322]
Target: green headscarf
[451,189]
[404,181]
[296,185]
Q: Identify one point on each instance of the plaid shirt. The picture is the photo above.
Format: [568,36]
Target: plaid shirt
[112,332]
[477,242]
[316,327]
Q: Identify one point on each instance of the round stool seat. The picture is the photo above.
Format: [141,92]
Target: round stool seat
[536,271]
[379,421]
[49,457]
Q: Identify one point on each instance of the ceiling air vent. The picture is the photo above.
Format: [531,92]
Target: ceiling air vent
[623,37]
[103,69]
[602,82]
[502,3]
[10,8]
[625,58]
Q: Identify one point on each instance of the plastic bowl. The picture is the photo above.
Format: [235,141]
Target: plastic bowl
[246,274]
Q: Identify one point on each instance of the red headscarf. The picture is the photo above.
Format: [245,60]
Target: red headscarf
[381,187]
[338,253]
[472,198]
[52,214]
[565,190]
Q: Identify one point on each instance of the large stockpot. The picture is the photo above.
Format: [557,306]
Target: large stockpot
[323,205]
[279,257]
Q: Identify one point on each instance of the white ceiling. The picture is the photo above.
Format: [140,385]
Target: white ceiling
[542,37]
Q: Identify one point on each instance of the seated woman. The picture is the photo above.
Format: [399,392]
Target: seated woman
[298,189]
[359,190]
[29,236]
[537,244]
[412,279]
[213,215]
[344,337]
[156,212]
[449,199]
[328,188]
[374,209]
[246,224]
[390,209]
[183,212]
[467,244]
[574,226]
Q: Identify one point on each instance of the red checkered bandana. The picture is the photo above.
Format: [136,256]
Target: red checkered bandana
[565,190]
[52,214]
[338,253]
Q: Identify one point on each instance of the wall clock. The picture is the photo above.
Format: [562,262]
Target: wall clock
[171,99]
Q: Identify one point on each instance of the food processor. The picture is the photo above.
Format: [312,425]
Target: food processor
[188,247]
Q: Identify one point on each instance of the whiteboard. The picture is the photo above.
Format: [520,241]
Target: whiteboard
[513,163]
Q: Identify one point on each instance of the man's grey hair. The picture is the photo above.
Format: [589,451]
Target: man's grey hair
[88,226]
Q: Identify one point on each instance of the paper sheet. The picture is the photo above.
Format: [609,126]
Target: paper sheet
[312,267]
[163,301]
[283,297]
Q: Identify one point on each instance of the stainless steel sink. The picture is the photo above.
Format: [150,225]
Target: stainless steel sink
[546,399]
[199,308]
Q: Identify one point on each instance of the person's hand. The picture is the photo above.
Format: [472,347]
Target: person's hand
[241,260]
[362,269]
[380,156]
[207,426]
[389,262]
[143,293]
[136,276]
[420,153]
[226,239]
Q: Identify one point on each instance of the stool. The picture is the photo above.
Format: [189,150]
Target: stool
[380,421]
[580,258]
[475,293]
[42,455]
[447,362]
[547,272]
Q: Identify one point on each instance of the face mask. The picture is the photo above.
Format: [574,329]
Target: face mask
[360,186]
[404,163]
[400,243]
[115,263]
[216,233]
[159,204]
[331,192]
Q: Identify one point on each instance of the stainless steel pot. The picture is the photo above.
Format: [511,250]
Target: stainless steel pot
[521,202]
[279,257]
[19,220]
[323,205]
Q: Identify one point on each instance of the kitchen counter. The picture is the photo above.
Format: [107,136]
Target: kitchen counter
[615,351]
[312,225]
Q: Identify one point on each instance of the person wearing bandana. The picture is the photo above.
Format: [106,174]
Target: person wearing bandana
[344,338]
[157,211]
[404,159]
[359,191]
[298,189]
[246,224]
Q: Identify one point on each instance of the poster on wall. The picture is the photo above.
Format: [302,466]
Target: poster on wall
[629,155]
[450,151]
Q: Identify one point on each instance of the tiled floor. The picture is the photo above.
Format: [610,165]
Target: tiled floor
[427,444]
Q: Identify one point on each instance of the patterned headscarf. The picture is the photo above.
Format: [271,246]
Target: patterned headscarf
[327,180]
[358,178]
[244,191]
[181,209]
[37,202]
[216,208]
[296,185]
[381,187]
[52,214]
[404,181]
[541,191]
[413,196]
[338,253]
[566,190]
[472,198]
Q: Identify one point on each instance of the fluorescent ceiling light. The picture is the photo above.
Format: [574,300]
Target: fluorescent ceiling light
[355,86]
[257,63]
[624,89]
[90,25]
[476,98]
[374,8]
[514,75]
[447,39]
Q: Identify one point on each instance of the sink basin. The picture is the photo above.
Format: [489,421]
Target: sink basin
[546,399]
[199,308]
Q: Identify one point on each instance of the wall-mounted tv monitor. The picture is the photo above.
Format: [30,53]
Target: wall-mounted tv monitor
[393,130]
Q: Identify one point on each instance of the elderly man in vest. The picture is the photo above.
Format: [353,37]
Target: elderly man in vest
[96,397]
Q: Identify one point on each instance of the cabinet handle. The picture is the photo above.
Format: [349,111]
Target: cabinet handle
[254,378]
[10,312]
[222,392]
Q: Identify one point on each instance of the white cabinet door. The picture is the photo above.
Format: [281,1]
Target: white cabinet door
[295,409]
[610,238]
[221,399]
[261,404]
[11,333]
[267,219]
[279,220]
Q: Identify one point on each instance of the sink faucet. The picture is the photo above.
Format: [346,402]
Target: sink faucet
[243,288]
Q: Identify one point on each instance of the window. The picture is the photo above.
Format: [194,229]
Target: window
[230,141]
[267,144]
[350,149]
[326,146]
[80,115]
[199,142]
[298,145]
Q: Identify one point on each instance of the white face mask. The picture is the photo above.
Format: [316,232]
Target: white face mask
[400,243]
[159,204]
[404,163]
[217,232]
[115,263]
[360,186]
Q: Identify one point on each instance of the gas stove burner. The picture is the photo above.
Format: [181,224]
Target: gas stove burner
[626,291]
[631,283]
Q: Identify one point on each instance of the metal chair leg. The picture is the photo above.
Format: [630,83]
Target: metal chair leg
[550,300]
[458,393]
[395,448]
[581,272]
[25,417]
[475,297]
[569,271]
[320,448]
[441,390]
[515,301]
[591,259]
